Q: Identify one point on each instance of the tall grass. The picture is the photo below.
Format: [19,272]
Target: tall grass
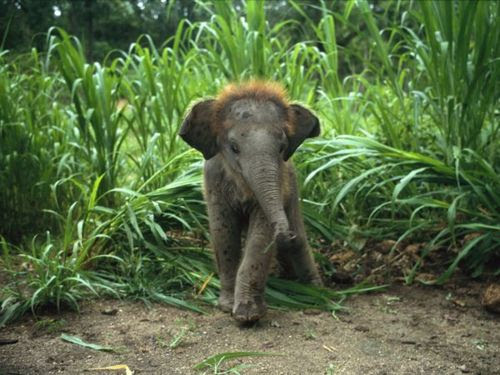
[459,53]
[90,153]
[94,92]
[35,148]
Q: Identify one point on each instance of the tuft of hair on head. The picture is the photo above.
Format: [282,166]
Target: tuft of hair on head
[254,89]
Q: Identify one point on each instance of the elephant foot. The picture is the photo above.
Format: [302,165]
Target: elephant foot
[311,277]
[316,281]
[250,310]
[226,301]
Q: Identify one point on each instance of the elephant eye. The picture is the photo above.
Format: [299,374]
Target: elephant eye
[234,148]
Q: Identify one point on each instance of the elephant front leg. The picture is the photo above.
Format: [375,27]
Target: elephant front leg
[249,303]
[225,232]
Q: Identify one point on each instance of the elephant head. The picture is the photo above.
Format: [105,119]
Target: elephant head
[255,131]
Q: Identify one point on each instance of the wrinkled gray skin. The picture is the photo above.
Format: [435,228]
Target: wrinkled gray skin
[251,191]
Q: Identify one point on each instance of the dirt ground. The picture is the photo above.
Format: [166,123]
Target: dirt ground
[403,330]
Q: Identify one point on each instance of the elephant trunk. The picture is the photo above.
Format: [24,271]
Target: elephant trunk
[264,178]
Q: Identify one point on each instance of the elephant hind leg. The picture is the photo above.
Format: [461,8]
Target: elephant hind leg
[297,263]
[296,260]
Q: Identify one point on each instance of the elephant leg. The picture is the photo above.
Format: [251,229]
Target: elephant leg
[225,232]
[296,258]
[249,303]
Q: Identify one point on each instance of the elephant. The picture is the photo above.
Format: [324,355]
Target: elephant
[247,135]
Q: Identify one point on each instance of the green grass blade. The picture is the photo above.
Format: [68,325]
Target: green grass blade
[78,341]
[217,359]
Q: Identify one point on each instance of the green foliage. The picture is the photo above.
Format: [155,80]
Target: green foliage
[215,361]
[92,169]
[459,54]
[409,193]
[35,146]
[94,94]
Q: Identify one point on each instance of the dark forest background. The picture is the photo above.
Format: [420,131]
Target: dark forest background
[104,26]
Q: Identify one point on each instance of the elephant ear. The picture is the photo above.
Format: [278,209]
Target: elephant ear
[196,129]
[304,125]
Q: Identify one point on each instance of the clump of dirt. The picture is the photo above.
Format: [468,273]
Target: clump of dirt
[403,330]
[491,298]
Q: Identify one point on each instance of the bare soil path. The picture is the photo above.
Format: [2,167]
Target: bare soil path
[403,330]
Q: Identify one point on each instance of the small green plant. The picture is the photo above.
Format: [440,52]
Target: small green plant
[310,333]
[215,362]
[217,369]
[48,326]
[178,338]
[480,344]
[331,369]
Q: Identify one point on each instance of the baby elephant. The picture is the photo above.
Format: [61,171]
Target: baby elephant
[247,134]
